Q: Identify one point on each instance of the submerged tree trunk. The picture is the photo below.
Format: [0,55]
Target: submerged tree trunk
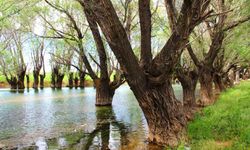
[104,93]
[42,76]
[70,84]
[206,89]
[36,79]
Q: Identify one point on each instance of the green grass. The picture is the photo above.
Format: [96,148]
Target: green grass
[224,125]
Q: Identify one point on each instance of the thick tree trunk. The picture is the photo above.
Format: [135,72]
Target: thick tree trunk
[59,81]
[82,80]
[104,93]
[12,82]
[21,77]
[206,89]
[219,83]
[42,81]
[28,81]
[70,84]
[163,112]
[188,81]
[36,79]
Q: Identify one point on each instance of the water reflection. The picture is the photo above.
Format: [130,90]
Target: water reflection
[69,119]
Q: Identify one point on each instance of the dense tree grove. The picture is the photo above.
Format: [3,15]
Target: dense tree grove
[150,45]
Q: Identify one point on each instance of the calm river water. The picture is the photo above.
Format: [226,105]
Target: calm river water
[57,119]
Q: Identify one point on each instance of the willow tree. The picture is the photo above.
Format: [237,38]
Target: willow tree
[217,26]
[149,78]
[105,87]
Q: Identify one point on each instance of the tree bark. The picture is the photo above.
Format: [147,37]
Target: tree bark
[53,80]
[36,79]
[70,84]
[163,112]
[21,77]
[59,80]
[76,80]
[219,83]
[82,80]
[206,83]
[104,93]
[12,82]
[188,81]
[42,76]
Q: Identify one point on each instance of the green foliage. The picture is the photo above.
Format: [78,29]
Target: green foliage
[226,124]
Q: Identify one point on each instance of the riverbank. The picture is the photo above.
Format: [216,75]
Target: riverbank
[224,125]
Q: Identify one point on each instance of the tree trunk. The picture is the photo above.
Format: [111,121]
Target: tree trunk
[36,79]
[104,93]
[59,81]
[21,77]
[76,81]
[188,81]
[163,112]
[27,81]
[70,84]
[12,82]
[82,80]
[53,80]
[42,81]
[219,83]
[206,89]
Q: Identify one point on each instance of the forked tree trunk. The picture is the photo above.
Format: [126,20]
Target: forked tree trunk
[12,82]
[219,83]
[76,81]
[70,84]
[206,89]
[82,80]
[21,77]
[27,81]
[36,79]
[42,81]
[163,112]
[104,93]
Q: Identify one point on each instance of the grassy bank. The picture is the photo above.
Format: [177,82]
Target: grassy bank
[224,125]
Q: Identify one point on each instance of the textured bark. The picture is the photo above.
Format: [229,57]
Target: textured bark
[104,93]
[188,81]
[70,80]
[36,79]
[219,83]
[206,83]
